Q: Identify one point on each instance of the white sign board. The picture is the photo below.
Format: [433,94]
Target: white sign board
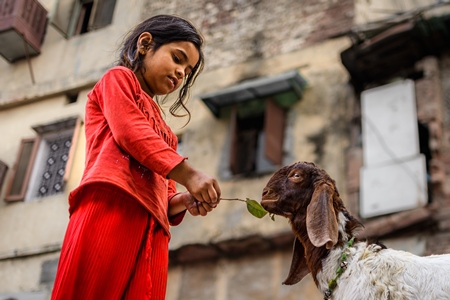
[389,123]
[393,188]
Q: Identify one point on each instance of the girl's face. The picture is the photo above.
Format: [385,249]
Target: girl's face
[165,69]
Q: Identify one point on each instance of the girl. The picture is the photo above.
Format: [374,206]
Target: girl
[116,243]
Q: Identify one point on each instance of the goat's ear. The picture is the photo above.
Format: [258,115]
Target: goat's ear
[299,268]
[321,222]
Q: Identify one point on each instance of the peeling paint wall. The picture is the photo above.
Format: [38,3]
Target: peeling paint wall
[244,39]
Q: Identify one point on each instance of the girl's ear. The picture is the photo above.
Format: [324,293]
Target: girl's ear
[144,41]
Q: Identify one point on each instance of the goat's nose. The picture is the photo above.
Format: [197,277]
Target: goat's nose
[265,191]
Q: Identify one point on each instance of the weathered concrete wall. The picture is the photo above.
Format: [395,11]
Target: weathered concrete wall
[244,39]
[32,232]
[258,277]
[317,121]
[241,31]
[38,223]
[67,64]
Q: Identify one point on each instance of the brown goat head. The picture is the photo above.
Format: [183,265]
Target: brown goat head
[306,195]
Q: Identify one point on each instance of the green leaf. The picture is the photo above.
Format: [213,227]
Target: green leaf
[255,208]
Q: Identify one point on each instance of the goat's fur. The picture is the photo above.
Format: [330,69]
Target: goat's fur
[308,197]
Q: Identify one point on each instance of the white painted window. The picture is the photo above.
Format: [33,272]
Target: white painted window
[393,177]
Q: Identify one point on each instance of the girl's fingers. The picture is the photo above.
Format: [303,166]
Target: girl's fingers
[193,208]
[208,207]
[213,196]
[207,196]
[217,190]
[201,209]
[210,195]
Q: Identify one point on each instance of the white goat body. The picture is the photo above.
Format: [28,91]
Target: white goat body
[308,197]
[374,273]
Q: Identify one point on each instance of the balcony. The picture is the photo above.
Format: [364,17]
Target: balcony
[22,28]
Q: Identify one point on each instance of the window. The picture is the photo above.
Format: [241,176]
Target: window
[73,17]
[43,163]
[394,176]
[256,109]
[256,138]
[49,169]
[71,97]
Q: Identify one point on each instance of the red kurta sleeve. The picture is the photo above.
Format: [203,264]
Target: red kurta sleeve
[117,94]
[178,218]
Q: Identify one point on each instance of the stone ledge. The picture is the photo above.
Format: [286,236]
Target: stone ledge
[232,248]
[25,252]
[44,90]
[383,226]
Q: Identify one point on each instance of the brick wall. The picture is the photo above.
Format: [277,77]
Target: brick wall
[432,96]
[239,31]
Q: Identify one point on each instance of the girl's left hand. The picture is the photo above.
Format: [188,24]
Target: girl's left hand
[196,207]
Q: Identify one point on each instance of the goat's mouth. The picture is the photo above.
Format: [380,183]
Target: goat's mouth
[269,204]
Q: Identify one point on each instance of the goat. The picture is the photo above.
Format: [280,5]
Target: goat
[342,266]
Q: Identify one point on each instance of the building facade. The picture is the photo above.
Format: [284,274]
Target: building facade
[284,81]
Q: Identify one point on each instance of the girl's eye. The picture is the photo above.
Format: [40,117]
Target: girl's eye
[176,59]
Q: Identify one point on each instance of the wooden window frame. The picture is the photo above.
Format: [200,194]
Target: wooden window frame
[76,134]
[21,196]
[234,140]
[3,171]
[274,127]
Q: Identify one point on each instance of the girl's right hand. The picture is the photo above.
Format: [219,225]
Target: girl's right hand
[201,186]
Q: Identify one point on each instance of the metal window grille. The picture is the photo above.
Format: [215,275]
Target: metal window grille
[52,177]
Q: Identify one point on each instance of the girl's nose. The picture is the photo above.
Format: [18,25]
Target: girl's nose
[180,74]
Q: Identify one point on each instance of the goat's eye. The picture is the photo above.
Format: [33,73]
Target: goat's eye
[295,176]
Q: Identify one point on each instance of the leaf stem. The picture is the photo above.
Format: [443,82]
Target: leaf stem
[233,199]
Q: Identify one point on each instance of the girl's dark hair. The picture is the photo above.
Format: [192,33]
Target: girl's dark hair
[164,29]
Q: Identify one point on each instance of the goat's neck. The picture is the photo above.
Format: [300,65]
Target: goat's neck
[315,256]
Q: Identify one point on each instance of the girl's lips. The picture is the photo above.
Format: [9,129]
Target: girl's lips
[174,81]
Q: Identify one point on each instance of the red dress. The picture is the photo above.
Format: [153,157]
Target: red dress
[116,243]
